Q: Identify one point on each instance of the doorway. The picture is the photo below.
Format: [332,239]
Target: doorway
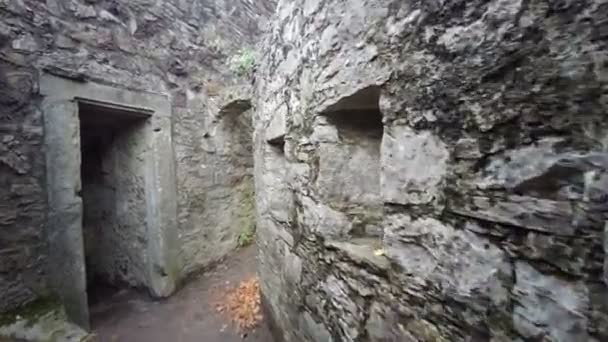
[112,174]
[111,192]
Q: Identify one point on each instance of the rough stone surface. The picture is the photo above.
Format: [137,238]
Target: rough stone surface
[473,210]
[178,48]
[548,301]
[64,218]
[404,154]
[49,325]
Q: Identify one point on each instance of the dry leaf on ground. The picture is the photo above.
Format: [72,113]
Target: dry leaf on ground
[242,304]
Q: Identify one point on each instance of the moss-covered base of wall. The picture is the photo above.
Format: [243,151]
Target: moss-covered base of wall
[245,214]
[42,321]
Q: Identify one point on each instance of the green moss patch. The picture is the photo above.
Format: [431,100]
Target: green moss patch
[30,312]
[246,212]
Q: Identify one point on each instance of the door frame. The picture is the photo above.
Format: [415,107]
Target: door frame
[67,270]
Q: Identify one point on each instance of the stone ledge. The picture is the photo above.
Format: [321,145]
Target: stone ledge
[235,100]
[362,250]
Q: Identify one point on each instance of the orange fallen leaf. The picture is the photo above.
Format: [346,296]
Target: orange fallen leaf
[242,304]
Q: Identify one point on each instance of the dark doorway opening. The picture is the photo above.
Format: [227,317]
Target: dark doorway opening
[112,146]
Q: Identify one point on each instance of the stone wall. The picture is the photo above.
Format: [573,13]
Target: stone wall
[175,47]
[492,175]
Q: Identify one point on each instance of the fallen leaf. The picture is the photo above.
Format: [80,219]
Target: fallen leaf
[379,252]
[242,305]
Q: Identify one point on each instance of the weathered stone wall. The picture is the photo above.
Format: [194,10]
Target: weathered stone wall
[222,166]
[493,170]
[176,47]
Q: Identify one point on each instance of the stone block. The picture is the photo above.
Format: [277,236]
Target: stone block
[323,220]
[293,267]
[548,216]
[345,305]
[542,170]
[414,165]
[549,307]
[348,173]
[313,330]
[277,127]
[362,251]
[605,236]
[235,100]
[468,268]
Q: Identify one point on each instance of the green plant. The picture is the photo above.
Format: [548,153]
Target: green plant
[245,212]
[243,63]
[247,235]
[30,312]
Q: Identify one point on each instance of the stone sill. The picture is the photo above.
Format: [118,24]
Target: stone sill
[362,250]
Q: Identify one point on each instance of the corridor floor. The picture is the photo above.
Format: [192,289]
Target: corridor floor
[188,316]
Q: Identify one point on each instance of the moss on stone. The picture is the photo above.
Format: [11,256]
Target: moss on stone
[31,311]
[243,63]
[246,212]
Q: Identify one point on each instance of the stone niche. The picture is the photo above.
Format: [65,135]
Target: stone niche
[349,135]
[111,191]
[235,173]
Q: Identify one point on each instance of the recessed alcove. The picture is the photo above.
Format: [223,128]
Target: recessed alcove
[349,169]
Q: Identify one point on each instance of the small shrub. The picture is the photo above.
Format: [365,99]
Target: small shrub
[247,235]
[243,63]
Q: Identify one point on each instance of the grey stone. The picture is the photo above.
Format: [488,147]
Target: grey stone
[348,311]
[65,42]
[549,307]
[542,215]
[349,173]
[315,331]
[46,326]
[322,219]
[541,171]
[606,253]
[492,155]
[277,128]
[85,12]
[424,249]
[383,325]
[293,267]
[26,43]
[235,100]
[324,133]
[363,251]
[467,148]
[404,154]
[64,224]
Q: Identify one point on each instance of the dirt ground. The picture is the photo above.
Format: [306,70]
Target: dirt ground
[187,316]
